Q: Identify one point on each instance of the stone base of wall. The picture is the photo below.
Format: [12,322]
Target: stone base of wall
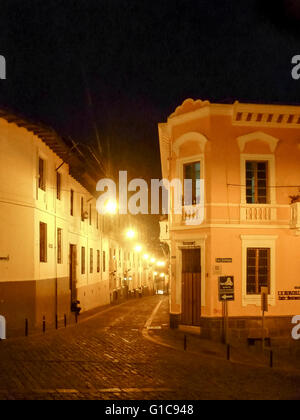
[241,328]
[174,320]
[34,301]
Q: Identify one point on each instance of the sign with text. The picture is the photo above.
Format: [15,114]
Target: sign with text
[289,295]
[226,288]
[223,260]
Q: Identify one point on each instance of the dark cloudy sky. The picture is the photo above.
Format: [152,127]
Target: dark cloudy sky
[124,65]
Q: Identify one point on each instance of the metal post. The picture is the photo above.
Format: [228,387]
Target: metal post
[226,322]
[76,317]
[271,358]
[26,327]
[263,330]
[228,352]
[65,320]
[185,343]
[44,324]
[56,322]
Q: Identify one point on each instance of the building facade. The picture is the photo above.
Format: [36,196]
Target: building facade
[246,222]
[55,249]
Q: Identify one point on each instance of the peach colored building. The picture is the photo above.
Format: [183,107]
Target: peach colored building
[55,248]
[249,158]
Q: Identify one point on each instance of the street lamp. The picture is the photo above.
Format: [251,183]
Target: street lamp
[130,234]
[138,248]
[161,264]
[146,257]
[111,206]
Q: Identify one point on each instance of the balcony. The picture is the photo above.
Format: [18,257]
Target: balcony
[164,231]
[258,212]
[295,217]
[193,215]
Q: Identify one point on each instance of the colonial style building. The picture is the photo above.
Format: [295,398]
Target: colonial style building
[245,224]
[55,249]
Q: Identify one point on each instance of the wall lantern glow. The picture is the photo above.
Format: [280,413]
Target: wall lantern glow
[161,264]
[152,260]
[110,207]
[130,234]
[162,275]
[155,273]
[146,257]
[138,248]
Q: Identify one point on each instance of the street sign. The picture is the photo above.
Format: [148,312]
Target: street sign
[264,299]
[226,288]
[223,260]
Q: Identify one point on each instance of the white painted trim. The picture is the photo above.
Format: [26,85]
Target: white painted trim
[191,136]
[228,226]
[258,241]
[258,135]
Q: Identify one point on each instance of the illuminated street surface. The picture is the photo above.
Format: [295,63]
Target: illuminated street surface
[108,357]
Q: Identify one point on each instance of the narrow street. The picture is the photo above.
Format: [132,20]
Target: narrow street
[108,357]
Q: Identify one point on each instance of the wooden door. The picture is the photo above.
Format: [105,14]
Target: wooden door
[191,286]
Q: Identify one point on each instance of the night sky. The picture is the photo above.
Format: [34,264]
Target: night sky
[115,68]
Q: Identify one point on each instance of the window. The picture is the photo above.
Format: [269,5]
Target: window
[258,270]
[59,246]
[42,174]
[257,182]
[72,203]
[83,260]
[82,209]
[103,261]
[191,171]
[43,242]
[90,214]
[58,186]
[91,260]
[97,220]
[98,261]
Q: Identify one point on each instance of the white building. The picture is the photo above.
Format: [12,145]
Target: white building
[55,248]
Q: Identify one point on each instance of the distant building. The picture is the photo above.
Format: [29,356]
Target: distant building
[55,249]
[249,158]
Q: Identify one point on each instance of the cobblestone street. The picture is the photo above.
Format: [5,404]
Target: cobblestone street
[107,356]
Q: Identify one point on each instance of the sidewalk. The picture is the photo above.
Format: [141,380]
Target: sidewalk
[286,357]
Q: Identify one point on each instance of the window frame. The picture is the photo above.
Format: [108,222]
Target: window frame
[271,176]
[83,261]
[72,200]
[43,242]
[59,245]
[42,177]
[257,266]
[258,241]
[58,186]
[255,187]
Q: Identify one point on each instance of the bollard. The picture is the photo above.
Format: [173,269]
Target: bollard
[26,327]
[228,352]
[56,322]
[185,343]
[271,359]
[76,317]
[65,320]
[44,324]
